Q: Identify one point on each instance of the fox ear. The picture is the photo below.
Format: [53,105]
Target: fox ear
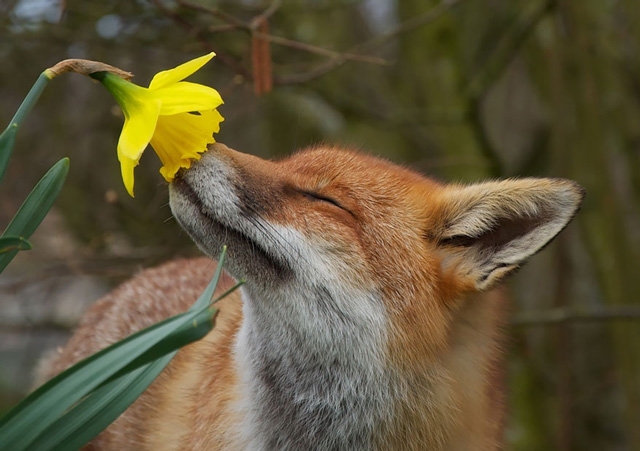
[486,230]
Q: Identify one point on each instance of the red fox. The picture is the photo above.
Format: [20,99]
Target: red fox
[365,323]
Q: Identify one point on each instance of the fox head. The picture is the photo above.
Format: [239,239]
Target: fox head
[359,235]
[361,220]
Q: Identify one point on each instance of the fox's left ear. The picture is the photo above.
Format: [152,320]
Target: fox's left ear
[486,230]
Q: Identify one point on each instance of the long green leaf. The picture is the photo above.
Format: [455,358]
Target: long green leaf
[8,137]
[11,243]
[104,405]
[36,206]
[7,140]
[93,414]
[207,295]
[88,412]
[43,407]
[39,201]
[110,371]
[33,417]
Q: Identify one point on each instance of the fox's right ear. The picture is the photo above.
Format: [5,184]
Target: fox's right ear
[486,230]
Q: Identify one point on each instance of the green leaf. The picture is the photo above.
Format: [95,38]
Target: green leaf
[8,137]
[10,243]
[43,406]
[80,402]
[97,411]
[36,206]
[94,413]
[206,296]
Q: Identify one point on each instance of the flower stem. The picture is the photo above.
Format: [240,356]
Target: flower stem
[7,138]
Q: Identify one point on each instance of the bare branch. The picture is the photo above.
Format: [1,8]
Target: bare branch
[408,25]
[337,59]
[374,42]
[223,56]
[234,23]
[531,319]
[321,50]
[256,21]
[508,47]
[25,325]
[505,50]
[572,314]
[117,267]
[215,12]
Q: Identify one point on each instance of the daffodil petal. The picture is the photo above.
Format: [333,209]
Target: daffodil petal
[139,124]
[185,97]
[181,138]
[168,77]
[126,169]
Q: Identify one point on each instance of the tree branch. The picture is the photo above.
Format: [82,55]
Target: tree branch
[256,21]
[25,325]
[505,50]
[573,315]
[223,56]
[372,43]
[507,47]
[234,23]
[298,45]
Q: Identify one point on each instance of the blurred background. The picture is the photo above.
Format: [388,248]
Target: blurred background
[461,90]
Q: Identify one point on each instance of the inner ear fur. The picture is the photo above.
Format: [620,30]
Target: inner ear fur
[486,230]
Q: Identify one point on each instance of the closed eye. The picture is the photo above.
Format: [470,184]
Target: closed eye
[317,197]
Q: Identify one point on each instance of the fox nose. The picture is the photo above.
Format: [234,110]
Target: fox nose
[180,173]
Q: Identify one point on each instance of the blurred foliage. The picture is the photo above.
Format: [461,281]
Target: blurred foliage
[465,90]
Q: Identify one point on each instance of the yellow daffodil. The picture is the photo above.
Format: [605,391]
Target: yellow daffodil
[176,117]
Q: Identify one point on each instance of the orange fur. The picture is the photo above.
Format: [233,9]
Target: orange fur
[400,262]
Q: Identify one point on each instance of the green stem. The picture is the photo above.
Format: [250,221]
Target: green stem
[32,98]
[7,138]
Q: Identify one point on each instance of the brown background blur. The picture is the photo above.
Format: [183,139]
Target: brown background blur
[462,90]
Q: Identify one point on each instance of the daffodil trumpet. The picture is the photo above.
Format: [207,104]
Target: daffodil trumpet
[176,117]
